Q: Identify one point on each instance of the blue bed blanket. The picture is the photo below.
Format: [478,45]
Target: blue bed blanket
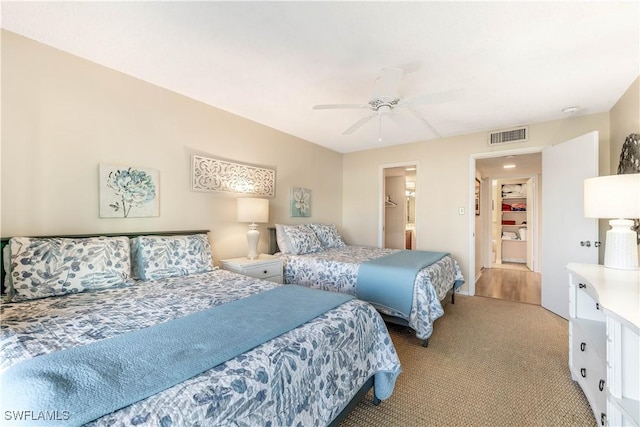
[388,281]
[77,385]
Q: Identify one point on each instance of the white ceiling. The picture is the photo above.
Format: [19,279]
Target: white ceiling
[525,165]
[483,65]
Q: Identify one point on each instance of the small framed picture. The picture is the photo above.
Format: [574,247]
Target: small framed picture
[128,192]
[300,202]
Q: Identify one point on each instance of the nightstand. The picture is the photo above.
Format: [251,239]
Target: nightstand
[265,267]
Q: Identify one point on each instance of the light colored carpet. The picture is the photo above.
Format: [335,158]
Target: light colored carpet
[489,363]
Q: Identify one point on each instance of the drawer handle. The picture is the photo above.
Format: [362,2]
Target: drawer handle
[583,372]
[583,346]
[582,285]
[601,385]
[603,418]
[597,306]
[264,272]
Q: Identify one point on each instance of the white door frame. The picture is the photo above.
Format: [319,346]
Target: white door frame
[381,198]
[471,274]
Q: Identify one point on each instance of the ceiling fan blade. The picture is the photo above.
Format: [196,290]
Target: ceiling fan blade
[359,123]
[410,67]
[423,120]
[332,106]
[388,84]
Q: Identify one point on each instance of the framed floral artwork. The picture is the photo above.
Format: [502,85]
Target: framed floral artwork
[128,192]
[300,202]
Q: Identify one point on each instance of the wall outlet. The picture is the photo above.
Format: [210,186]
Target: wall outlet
[460,211]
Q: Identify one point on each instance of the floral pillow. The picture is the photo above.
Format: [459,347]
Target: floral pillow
[302,239]
[159,257]
[282,239]
[44,267]
[328,235]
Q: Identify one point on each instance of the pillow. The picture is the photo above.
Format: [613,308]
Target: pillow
[159,257]
[44,267]
[302,239]
[328,235]
[283,241]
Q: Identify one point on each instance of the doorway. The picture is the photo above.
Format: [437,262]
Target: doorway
[398,199]
[507,269]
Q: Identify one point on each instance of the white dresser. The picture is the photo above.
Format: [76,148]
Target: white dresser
[604,341]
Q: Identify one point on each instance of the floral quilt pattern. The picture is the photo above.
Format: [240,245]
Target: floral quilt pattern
[304,377]
[336,269]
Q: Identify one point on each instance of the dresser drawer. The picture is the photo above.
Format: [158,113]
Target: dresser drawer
[586,287]
[264,271]
[589,367]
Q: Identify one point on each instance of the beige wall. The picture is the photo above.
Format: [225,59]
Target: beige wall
[444,182]
[625,119]
[62,116]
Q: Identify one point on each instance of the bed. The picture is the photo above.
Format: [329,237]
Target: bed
[315,255]
[169,292]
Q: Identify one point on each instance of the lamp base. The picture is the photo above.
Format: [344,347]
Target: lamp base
[621,246]
[253,236]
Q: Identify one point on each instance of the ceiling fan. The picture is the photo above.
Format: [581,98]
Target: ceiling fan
[386,99]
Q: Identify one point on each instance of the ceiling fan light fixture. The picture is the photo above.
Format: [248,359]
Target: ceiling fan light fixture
[386,98]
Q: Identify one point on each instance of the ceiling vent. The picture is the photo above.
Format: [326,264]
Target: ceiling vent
[509,135]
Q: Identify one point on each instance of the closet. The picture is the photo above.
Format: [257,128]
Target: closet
[514,203]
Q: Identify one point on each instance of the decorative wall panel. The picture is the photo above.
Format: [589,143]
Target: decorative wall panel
[209,174]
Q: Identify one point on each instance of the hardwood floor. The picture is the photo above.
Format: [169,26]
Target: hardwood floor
[510,284]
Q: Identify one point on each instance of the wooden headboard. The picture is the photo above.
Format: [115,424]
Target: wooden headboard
[5,240]
[273,243]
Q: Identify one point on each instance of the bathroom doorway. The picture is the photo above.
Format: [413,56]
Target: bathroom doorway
[398,228]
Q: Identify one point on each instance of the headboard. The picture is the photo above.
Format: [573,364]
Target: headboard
[5,240]
[273,243]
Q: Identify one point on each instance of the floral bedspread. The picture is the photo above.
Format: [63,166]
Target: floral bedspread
[336,269]
[304,377]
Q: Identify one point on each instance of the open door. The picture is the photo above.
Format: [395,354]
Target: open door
[564,168]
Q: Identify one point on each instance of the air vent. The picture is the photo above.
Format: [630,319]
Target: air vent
[509,135]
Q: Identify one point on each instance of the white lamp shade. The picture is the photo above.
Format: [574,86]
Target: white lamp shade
[616,197]
[613,196]
[253,210]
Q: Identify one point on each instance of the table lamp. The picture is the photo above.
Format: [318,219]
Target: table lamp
[253,210]
[616,197]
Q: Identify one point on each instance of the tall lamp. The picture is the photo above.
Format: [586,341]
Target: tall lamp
[616,197]
[253,210]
